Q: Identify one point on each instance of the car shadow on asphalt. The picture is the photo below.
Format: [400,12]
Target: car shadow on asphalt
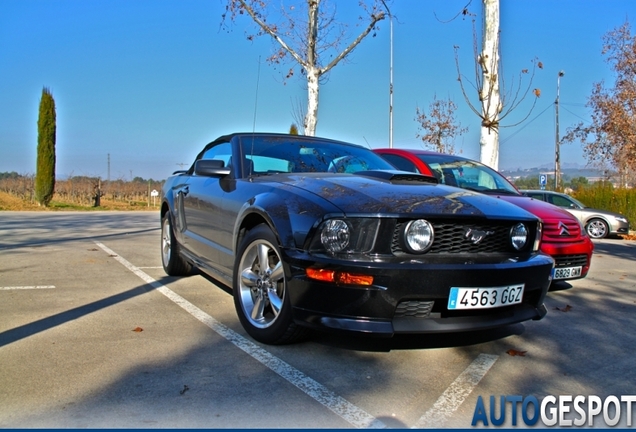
[619,248]
[560,286]
[413,341]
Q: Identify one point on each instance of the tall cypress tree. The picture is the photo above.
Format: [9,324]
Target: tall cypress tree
[45,171]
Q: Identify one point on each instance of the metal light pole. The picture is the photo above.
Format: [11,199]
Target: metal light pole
[557,150]
[390,77]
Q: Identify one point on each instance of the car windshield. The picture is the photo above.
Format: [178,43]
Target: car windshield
[288,155]
[467,174]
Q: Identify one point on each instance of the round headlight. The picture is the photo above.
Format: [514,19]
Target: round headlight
[519,236]
[335,235]
[418,236]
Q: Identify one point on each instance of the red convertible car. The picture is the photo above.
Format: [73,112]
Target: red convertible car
[563,236]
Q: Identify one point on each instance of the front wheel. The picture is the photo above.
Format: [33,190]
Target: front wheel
[597,229]
[260,290]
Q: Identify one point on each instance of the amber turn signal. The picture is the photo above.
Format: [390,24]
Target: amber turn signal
[341,278]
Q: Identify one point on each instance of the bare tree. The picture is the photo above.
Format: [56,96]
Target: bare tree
[610,139]
[439,127]
[306,41]
[494,104]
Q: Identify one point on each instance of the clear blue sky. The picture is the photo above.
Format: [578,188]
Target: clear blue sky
[151,81]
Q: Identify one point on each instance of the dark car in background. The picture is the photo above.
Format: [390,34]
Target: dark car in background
[316,233]
[563,236]
[598,223]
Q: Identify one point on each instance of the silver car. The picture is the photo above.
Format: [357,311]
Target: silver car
[598,223]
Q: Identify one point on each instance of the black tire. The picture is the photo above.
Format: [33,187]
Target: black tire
[260,291]
[173,262]
[597,229]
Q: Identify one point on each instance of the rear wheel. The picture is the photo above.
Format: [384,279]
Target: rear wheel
[173,263]
[260,290]
[597,229]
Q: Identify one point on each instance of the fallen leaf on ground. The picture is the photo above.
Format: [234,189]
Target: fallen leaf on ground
[138,329]
[514,352]
[567,308]
[185,389]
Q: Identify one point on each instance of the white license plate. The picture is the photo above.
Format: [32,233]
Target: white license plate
[567,272]
[482,298]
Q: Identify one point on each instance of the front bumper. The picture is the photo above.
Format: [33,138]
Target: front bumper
[618,227]
[570,254]
[411,296]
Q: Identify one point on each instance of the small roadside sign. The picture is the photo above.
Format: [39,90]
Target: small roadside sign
[543,180]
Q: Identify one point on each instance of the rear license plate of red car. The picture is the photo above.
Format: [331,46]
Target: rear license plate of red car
[567,272]
[483,298]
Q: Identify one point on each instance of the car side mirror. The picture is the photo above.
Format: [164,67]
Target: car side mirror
[211,168]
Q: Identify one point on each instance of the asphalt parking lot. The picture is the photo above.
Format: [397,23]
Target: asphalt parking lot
[94,334]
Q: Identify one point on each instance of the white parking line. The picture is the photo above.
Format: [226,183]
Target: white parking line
[30,287]
[456,393]
[340,406]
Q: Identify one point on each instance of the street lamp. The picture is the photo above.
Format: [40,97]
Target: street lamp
[557,150]
[390,77]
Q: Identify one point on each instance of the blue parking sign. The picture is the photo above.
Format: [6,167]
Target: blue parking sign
[543,180]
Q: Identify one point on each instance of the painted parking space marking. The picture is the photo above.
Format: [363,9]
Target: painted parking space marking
[28,287]
[456,393]
[340,406]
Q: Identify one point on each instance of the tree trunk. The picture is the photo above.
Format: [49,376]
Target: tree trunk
[311,118]
[489,142]
[490,98]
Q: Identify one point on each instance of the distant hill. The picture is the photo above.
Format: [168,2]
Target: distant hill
[572,171]
[548,166]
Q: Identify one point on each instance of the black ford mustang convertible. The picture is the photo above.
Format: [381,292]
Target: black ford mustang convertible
[316,233]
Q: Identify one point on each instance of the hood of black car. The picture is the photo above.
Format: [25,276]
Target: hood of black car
[381,194]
